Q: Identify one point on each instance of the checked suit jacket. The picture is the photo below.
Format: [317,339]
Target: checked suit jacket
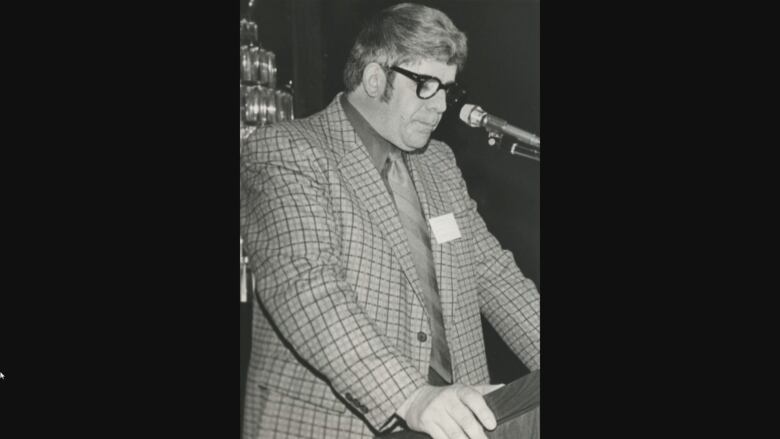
[342,337]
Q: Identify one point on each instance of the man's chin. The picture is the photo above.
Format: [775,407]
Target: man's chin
[419,142]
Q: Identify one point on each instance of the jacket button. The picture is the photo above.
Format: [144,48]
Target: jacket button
[349,397]
[421,336]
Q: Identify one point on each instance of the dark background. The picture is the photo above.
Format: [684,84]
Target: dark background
[311,40]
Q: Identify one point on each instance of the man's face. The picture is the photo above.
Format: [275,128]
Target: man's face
[410,119]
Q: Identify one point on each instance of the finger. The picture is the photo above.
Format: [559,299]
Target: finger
[484,389]
[450,428]
[468,423]
[435,432]
[476,403]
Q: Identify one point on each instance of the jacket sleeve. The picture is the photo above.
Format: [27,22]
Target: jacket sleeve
[293,239]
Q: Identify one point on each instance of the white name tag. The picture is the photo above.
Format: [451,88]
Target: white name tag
[445,228]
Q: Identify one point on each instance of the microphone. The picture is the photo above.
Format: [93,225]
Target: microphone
[475,116]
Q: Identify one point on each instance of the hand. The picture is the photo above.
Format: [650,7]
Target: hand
[450,412]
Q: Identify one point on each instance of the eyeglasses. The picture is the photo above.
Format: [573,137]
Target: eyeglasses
[428,86]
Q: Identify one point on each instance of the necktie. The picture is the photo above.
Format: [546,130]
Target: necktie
[410,213]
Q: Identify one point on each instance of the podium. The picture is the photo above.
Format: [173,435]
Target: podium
[515,406]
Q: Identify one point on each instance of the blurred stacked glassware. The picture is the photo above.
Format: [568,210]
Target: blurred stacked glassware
[261,103]
[248,32]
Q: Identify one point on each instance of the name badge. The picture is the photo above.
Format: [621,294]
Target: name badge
[445,228]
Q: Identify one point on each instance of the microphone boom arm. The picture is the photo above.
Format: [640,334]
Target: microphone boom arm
[529,146]
[494,123]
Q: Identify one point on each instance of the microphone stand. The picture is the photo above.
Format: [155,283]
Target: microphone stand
[527,150]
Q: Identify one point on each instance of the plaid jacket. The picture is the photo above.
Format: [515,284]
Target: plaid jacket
[342,338]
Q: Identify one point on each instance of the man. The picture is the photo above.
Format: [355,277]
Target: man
[372,264]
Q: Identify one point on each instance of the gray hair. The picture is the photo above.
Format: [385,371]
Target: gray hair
[401,34]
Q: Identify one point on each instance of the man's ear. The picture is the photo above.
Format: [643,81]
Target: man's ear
[374,80]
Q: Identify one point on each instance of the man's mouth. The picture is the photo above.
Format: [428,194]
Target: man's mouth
[430,126]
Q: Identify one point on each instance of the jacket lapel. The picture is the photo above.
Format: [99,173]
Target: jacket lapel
[435,203]
[361,175]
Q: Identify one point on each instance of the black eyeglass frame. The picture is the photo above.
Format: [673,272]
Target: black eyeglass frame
[453,91]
